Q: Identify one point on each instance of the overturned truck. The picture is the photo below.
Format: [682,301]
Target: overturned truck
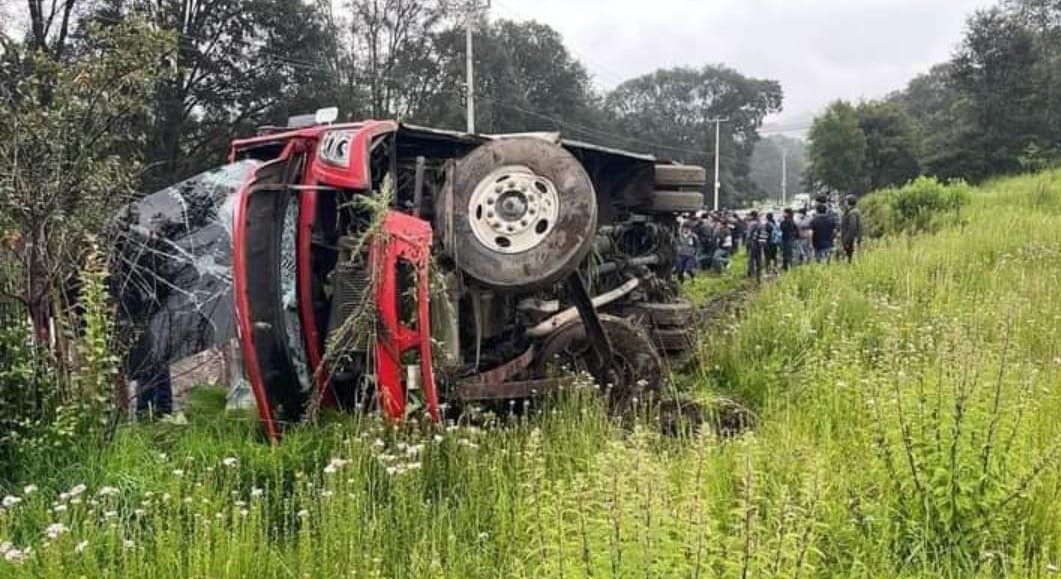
[396,267]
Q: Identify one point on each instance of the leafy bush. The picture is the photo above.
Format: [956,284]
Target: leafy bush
[921,206]
[47,415]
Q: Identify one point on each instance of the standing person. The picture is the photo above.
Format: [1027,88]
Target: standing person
[851,228]
[705,234]
[740,232]
[755,242]
[823,233]
[773,242]
[806,250]
[687,247]
[790,235]
[725,246]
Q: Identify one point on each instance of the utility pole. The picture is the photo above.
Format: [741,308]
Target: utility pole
[784,177]
[718,140]
[470,10]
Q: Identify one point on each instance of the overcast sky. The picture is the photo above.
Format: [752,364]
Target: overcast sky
[819,50]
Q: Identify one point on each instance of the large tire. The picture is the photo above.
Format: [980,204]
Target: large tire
[673,340]
[680,176]
[678,313]
[636,371]
[538,239]
[677,201]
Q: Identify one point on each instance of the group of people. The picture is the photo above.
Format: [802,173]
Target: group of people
[708,241]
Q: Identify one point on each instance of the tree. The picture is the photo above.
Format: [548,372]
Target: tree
[237,64]
[394,54]
[669,112]
[525,80]
[837,150]
[63,170]
[993,72]
[891,156]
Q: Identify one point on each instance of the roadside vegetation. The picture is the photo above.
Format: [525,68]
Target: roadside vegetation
[906,426]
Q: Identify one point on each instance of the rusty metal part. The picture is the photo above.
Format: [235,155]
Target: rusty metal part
[502,372]
[466,392]
[587,312]
[559,320]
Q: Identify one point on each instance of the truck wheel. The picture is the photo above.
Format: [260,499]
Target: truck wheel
[673,340]
[680,176]
[678,313]
[636,370]
[677,201]
[524,214]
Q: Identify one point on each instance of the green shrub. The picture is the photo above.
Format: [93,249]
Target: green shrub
[922,206]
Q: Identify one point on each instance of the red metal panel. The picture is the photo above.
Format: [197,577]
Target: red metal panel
[404,238]
[304,270]
[356,175]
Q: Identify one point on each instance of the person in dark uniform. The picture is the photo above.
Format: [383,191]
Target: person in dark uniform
[851,228]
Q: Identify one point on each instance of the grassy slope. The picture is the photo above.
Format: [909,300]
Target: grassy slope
[908,426]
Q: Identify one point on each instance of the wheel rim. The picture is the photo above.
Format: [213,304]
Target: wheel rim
[513,210]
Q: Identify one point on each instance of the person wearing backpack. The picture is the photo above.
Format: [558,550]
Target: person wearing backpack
[773,242]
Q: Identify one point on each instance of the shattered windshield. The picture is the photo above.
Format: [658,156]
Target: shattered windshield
[172,268]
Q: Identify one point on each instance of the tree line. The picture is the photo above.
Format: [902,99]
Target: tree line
[105,100]
[993,108]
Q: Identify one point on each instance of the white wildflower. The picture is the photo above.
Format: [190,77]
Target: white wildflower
[55,529]
[80,547]
[139,512]
[303,514]
[110,515]
[178,472]
[77,490]
[107,492]
[230,461]
[13,555]
[484,536]
[243,512]
[128,544]
[256,493]
[29,490]
[59,509]
[10,501]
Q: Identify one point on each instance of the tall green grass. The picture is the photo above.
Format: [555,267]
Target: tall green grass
[907,427]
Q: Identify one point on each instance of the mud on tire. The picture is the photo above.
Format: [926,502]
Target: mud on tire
[518,249]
